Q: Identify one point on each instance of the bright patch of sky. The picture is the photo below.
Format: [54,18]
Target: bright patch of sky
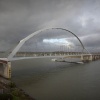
[62,41]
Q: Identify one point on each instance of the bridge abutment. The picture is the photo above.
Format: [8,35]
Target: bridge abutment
[86,58]
[5,69]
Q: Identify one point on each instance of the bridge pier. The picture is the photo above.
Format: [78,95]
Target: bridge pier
[5,69]
[86,58]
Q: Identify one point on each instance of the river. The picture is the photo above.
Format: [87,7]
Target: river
[46,80]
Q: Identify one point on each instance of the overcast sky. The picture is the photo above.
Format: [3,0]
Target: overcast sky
[19,18]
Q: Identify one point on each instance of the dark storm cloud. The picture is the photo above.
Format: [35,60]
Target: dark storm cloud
[19,18]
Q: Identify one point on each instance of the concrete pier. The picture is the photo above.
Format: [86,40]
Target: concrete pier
[5,69]
[89,57]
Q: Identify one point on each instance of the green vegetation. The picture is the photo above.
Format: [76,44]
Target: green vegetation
[12,85]
[14,93]
[18,95]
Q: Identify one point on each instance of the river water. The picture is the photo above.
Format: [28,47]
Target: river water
[46,80]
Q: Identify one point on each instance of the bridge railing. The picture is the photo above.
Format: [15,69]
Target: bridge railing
[34,54]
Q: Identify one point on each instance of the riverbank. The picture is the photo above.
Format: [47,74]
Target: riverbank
[8,90]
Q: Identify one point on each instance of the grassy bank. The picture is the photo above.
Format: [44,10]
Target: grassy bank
[11,92]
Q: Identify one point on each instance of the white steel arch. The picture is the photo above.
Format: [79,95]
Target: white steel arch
[10,57]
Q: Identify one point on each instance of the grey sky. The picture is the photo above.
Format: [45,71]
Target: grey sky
[19,18]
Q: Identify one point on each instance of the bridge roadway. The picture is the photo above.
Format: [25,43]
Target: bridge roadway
[29,55]
[46,53]
[83,56]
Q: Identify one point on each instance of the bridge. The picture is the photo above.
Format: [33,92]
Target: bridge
[59,56]
[84,57]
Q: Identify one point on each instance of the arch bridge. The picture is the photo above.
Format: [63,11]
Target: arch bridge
[84,55]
